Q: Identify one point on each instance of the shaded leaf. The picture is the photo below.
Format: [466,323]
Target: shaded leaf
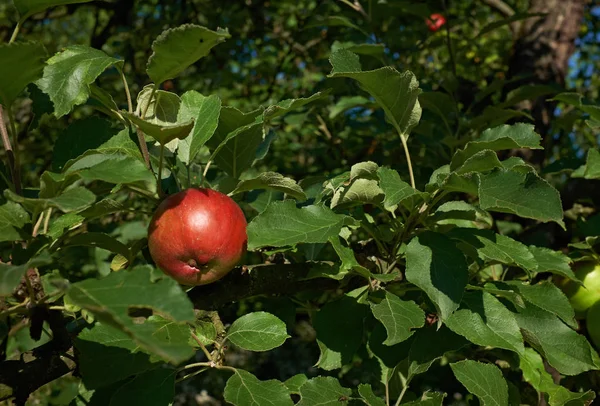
[282,223]
[325,391]
[74,199]
[399,317]
[483,380]
[26,65]
[273,181]
[244,389]
[69,74]
[397,93]
[111,298]
[483,320]
[204,111]
[177,48]
[258,331]
[434,264]
[12,217]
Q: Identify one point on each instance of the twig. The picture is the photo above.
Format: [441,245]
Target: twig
[408,160]
[12,163]
[38,223]
[47,220]
[202,346]
[13,37]
[160,165]
[449,40]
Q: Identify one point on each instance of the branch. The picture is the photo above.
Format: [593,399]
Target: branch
[500,6]
[282,279]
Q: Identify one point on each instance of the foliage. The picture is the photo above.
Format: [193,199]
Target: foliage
[411,227]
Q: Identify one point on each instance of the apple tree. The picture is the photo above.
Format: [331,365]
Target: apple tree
[403,229]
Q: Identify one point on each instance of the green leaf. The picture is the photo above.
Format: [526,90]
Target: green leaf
[483,320]
[430,344]
[323,391]
[285,106]
[591,169]
[164,133]
[346,103]
[564,349]
[483,380]
[244,389]
[74,199]
[339,327]
[399,317]
[434,264]
[107,355]
[111,298]
[258,331]
[503,137]
[27,8]
[491,247]
[282,223]
[271,181]
[205,112]
[10,275]
[205,331]
[481,161]
[100,240]
[26,65]
[349,262]
[536,375]
[237,152]
[428,399]
[119,169]
[396,191]
[295,382]
[522,193]
[366,170]
[79,137]
[366,393]
[69,74]
[152,388]
[552,261]
[12,217]
[360,191]
[177,48]
[397,93]
[549,297]
[119,145]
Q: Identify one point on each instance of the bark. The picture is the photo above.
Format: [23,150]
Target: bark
[542,51]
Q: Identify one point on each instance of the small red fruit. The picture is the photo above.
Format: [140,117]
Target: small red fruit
[197,236]
[435,22]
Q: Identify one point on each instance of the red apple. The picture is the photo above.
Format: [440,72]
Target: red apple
[197,236]
[435,22]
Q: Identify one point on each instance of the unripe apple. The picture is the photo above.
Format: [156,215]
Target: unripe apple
[583,297]
[435,22]
[593,323]
[197,236]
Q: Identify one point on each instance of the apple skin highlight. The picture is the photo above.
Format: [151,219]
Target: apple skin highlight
[197,236]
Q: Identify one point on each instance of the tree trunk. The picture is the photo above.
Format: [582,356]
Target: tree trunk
[542,51]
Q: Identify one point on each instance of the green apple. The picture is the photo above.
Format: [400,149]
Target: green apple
[593,323]
[583,297]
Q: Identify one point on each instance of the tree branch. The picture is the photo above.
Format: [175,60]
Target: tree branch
[500,6]
[282,279]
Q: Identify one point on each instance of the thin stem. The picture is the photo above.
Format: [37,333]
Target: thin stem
[387,392]
[141,192]
[404,389]
[160,165]
[36,227]
[14,309]
[196,365]
[193,374]
[408,160]
[9,153]
[126,86]
[205,171]
[15,33]
[149,101]
[143,147]
[202,346]
[47,220]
